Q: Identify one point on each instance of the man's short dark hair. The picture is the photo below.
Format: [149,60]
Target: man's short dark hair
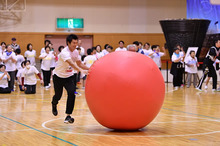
[136,43]
[154,46]
[121,42]
[110,47]
[216,40]
[18,51]
[89,51]
[191,52]
[71,37]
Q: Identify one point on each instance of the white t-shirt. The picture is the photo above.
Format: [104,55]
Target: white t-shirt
[121,49]
[42,51]
[20,74]
[148,52]
[82,51]
[20,59]
[89,60]
[104,52]
[157,58]
[189,60]
[46,62]
[175,57]
[10,66]
[98,55]
[63,69]
[30,55]
[4,81]
[53,61]
[29,75]
[1,57]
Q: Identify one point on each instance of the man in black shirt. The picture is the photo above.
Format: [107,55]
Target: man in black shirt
[208,67]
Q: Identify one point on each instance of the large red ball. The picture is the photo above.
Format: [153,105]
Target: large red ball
[124,90]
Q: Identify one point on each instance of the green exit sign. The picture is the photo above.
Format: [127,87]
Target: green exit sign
[70,23]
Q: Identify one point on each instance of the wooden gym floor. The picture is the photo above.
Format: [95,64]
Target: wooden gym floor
[188,117]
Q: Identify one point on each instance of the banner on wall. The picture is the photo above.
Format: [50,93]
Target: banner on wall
[203,9]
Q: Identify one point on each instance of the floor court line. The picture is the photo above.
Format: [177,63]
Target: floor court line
[191,113]
[38,130]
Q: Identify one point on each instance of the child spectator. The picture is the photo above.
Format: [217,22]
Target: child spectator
[29,79]
[30,54]
[191,63]
[4,78]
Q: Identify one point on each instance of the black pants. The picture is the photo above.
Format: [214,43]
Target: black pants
[12,80]
[5,90]
[177,79]
[212,73]
[78,77]
[68,84]
[30,89]
[46,77]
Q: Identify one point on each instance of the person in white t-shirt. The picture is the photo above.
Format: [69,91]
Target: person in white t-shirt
[4,78]
[30,54]
[176,68]
[20,74]
[82,52]
[147,50]
[99,53]
[20,59]
[10,59]
[157,55]
[121,46]
[68,62]
[104,51]
[47,58]
[46,43]
[29,79]
[191,63]
[88,61]
[2,48]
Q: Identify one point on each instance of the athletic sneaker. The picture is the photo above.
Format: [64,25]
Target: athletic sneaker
[206,87]
[214,90]
[54,109]
[198,89]
[68,119]
[76,93]
[176,88]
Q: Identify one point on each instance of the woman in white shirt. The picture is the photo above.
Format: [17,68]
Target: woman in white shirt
[30,54]
[121,46]
[176,68]
[29,79]
[157,56]
[4,78]
[10,59]
[46,65]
